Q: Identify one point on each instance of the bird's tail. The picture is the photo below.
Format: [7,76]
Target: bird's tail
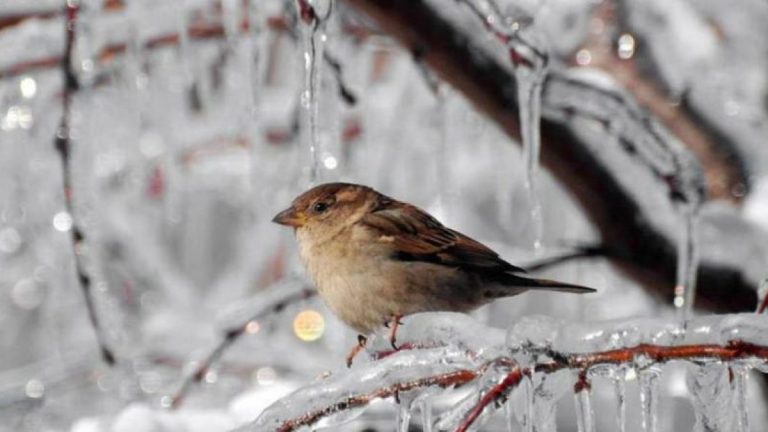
[514,281]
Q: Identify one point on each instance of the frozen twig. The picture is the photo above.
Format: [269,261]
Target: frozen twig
[200,29]
[449,379]
[730,351]
[63,145]
[231,335]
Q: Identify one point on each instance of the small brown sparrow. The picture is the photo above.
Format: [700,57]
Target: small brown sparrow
[375,259]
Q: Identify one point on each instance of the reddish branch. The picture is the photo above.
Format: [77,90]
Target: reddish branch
[733,350]
[449,379]
[497,392]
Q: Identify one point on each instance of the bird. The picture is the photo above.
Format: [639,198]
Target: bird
[374,260]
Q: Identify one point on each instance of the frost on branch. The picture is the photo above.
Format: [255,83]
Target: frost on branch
[543,360]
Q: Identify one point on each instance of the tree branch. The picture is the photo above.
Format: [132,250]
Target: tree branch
[627,228]
[62,142]
[732,350]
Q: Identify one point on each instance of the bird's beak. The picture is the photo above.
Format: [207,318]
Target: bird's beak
[290,217]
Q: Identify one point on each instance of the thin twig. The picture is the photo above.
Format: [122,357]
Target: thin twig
[579,252]
[229,337]
[198,30]
[63,145]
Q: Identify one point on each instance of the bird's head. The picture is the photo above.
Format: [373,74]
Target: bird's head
[328,208]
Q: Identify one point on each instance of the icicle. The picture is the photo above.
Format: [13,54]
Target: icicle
[585,417]
[762,296]
[509,415]
[710,394]
[687,262]
[519,408]
[525,418]
[403,417]
[545,397]
[530,78]
[425,406]
[620,388]
[313,39]
[739,393]
[649,397]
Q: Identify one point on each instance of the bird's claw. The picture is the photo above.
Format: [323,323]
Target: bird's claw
[361,342]
[395,321]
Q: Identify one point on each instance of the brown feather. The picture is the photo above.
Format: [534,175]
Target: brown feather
[417,236]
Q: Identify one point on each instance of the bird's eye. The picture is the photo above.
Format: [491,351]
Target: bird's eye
[320,207]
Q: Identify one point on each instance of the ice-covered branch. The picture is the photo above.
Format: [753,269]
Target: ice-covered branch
[63,144]
[622,51]
[198,30]
[630,219]
[536,350]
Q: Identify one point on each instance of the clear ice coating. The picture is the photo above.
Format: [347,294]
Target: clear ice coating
[585,415]
[529,84]
[620,390]
[529,62]
[687,260]
[740,373]
[648,381]
[314,16]
[334,395]
[710,389]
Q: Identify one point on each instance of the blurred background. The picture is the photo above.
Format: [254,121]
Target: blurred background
[194,122]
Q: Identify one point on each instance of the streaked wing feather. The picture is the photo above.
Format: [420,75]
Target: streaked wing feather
[417,236]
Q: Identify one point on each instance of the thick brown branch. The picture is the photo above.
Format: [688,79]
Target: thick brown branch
[720,161]
[648,255]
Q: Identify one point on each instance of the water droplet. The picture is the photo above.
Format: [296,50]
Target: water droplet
[166,401]
[252,327]
[330,162]
[309,325]
[583,57]
[87,65]
[27,294]
[34,389]
[150,382]
[17,117]
[10,240]
[28,87]
[265,376]
[211,376]
[62,221]
[626,46]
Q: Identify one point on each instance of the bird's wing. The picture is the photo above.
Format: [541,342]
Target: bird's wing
[417,236]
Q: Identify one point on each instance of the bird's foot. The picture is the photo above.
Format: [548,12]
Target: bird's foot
[361,342]
[392,325]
